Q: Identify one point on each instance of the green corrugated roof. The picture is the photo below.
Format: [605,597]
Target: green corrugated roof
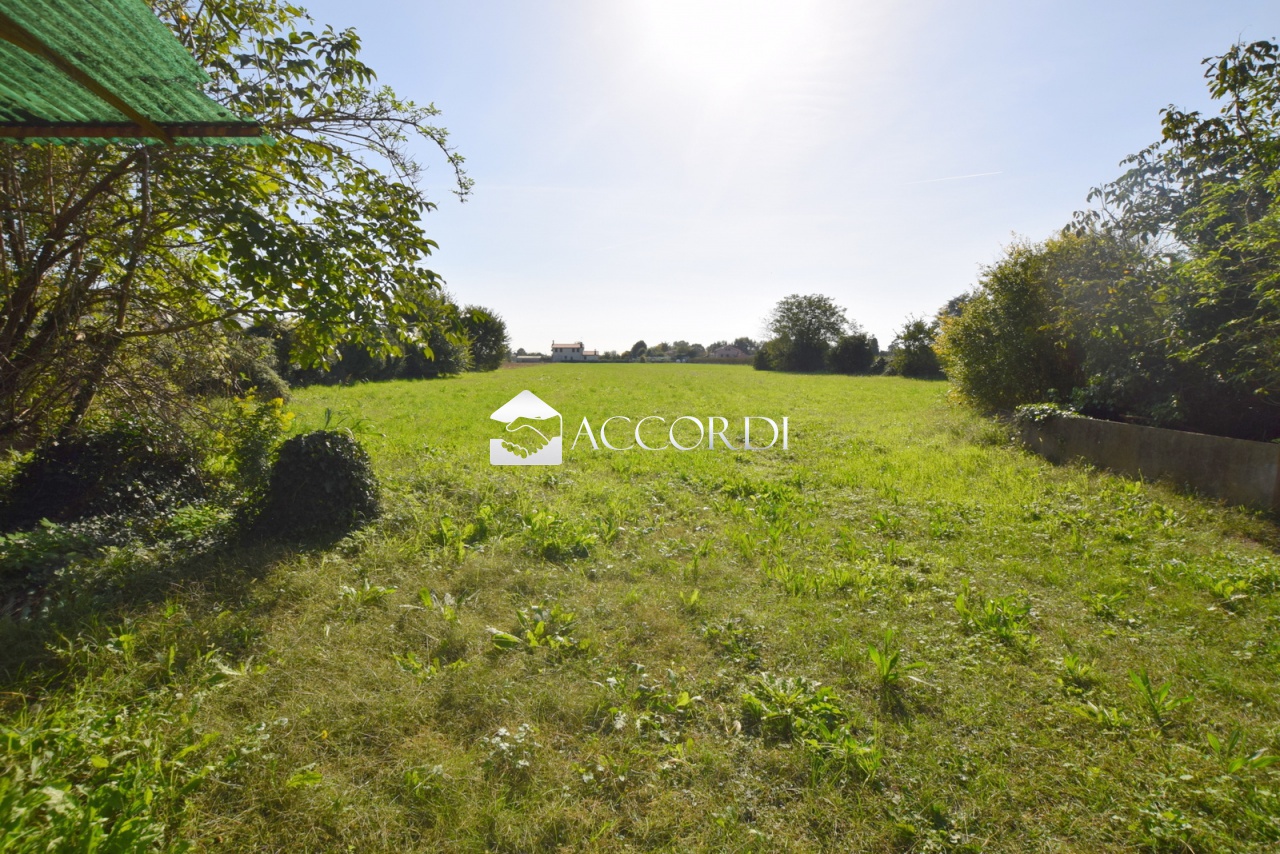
[73,58]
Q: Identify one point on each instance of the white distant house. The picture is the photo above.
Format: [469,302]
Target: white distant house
[728,352]
[572,352]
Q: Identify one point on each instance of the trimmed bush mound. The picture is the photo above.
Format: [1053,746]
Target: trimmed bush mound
[322,484]
[127,469]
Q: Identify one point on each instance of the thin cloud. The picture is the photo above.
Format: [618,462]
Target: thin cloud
[953,178]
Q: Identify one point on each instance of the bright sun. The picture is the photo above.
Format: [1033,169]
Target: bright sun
[725,47]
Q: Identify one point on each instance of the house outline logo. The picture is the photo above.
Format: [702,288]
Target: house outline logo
[533,435]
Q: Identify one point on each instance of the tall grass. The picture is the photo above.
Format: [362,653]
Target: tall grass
[676,651]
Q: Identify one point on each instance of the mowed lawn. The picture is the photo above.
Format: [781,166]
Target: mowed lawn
[669,651]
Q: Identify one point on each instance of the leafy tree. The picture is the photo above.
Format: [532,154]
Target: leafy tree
[442,345]
[911,354]
[446,351]
[1205,200]
[489,341]
[746,345]
[107,252]
[767,358]
[250,367]
[1110,323]
[1163,304]
[854,354]
[1005,349]
[955,306]
[638,349]
[804,328]
[685,350]
[1083,319]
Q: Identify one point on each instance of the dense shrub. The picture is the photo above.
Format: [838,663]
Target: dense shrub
[25,555]
[1161,305]
[1040,413]
[854,354]
[803,356]
[130,468]
[1006,347]
[238,364]
[764,360]
[912,352]
[1209,189]
[245,432]
[322,484]
[255,373]
[137,483]
[451,341]
[450,355]
[1086,319]
[489,340]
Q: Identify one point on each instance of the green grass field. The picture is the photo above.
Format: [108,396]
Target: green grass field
[902,634]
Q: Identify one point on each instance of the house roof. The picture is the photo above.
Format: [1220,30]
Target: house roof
[570,344]
[104,71]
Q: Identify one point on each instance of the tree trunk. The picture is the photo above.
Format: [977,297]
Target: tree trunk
[98,370]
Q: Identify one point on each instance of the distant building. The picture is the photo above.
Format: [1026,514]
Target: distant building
[728,351]
[570,352]
[591,355]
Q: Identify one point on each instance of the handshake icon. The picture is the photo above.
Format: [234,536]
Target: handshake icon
[532,435]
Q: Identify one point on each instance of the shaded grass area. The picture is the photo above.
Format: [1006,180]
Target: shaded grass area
[672,651]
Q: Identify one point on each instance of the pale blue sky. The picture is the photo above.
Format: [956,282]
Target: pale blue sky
[670,170]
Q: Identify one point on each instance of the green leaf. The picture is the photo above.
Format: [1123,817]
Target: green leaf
[505,641]
[304,778]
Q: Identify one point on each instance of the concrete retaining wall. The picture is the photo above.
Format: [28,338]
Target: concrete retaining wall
[1236,470]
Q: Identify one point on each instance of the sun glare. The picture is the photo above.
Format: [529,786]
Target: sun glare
[725,47]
